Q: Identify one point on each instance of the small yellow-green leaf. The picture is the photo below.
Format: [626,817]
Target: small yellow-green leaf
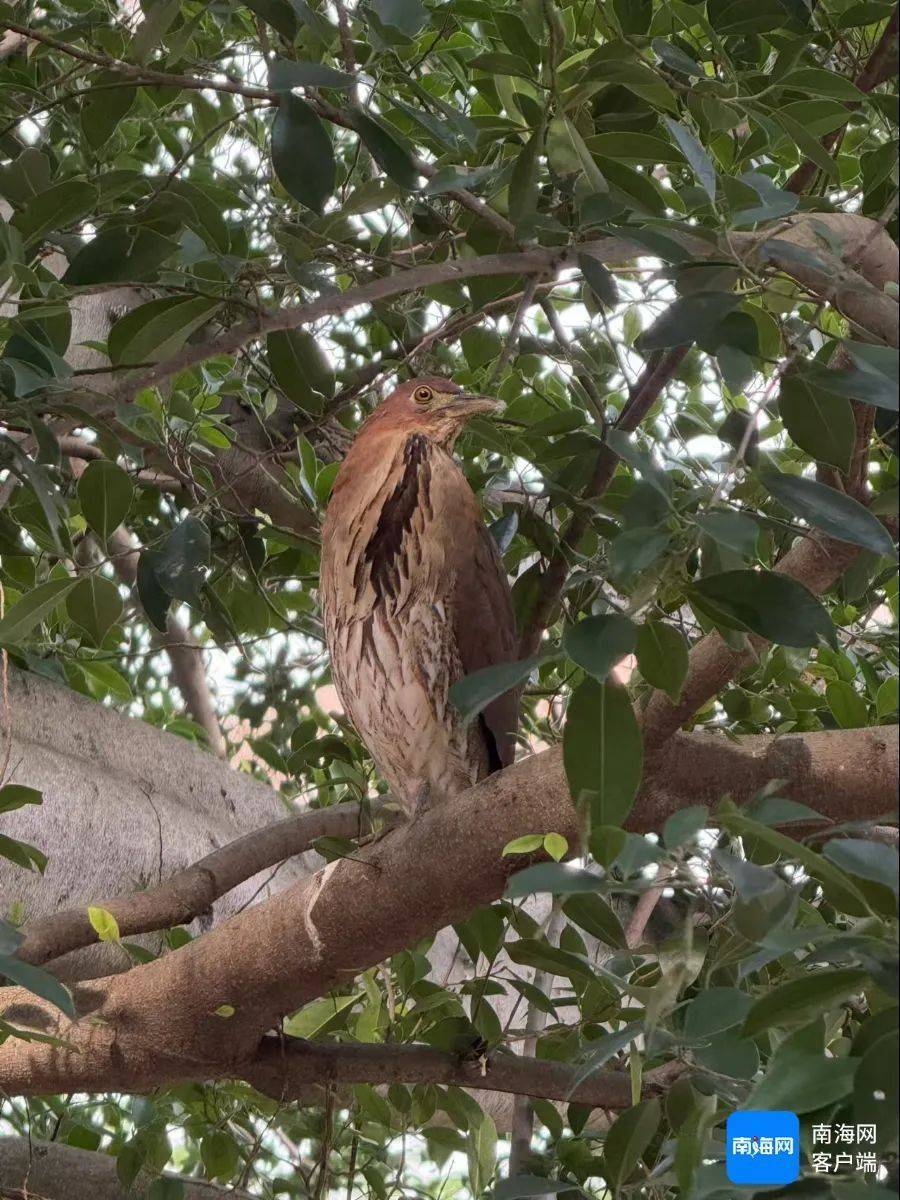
[103,923]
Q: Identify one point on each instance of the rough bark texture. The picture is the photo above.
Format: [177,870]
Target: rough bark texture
[31,1170]
[124,806]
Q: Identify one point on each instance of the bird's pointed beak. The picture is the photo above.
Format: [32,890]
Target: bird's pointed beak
[469,404]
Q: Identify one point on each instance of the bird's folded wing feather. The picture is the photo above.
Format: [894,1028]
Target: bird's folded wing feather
[478,597]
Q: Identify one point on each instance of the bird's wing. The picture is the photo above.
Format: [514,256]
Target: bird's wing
[479,601]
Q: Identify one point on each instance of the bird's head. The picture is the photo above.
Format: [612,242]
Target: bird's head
[437,407]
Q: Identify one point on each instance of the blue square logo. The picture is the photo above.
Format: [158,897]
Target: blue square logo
[762,1147]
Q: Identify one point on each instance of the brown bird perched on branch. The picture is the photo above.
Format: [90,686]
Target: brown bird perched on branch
[415,596]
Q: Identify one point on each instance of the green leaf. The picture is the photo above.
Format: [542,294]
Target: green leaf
[627,1139]
[825,507]
[819,423]
[560,879]
[219,1154]
[599,279]
[318,1015]
[867,384]
[594,914]
[22,854]
[887,699]
[16,795]
[867,860]
[39,982]
[603,752]
[105,493]
[94,603]
[569,155]
[799,1000]
[731,529]
[288,73]
[684,825]
[183,559]
[662,657]
[523,187]
[696,156]
[474,692]
[689,318]
[768,604]
[802,1083]
[302,153]
[598,643]
[155,600]
[104,924]
[118,255]
[527,844]
[407,16]
[715,1010]
[847,705]
[481,1153]
[300,367]
[807,142]
[157,330]
[58,207]
[33,607]
[389,149]
[635,550]
[556,846]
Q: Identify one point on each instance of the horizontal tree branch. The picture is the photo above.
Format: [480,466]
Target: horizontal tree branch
[160,1022]
[287,1070]
[191,892]
[855,292]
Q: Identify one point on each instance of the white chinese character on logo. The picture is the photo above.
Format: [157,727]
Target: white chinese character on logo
[821,1163]
[741,1145]
[867,1163]
[784,1145]
[865,1133]
[821,1135]
[845,1134]
[843,1160]
[766,1146]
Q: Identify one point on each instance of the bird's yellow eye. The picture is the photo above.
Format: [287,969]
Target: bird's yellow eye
[423,395]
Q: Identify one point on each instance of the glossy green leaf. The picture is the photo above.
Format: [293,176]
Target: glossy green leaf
[16,795]
[33,607]
[662,656]
[696,156]
[799,1000]
[627,1139]
[105,492]
[473,693]
[819,423]
[687,319]
[602,752]
[774,606]
[302,153]
[830,510]
[158,329]
[389,148]
[94,603]
[598,643]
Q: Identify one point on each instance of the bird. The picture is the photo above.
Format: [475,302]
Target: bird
[415,596]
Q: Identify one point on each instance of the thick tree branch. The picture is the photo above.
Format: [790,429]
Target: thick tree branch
[32,1170]
[288,1070]
[159,1022]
